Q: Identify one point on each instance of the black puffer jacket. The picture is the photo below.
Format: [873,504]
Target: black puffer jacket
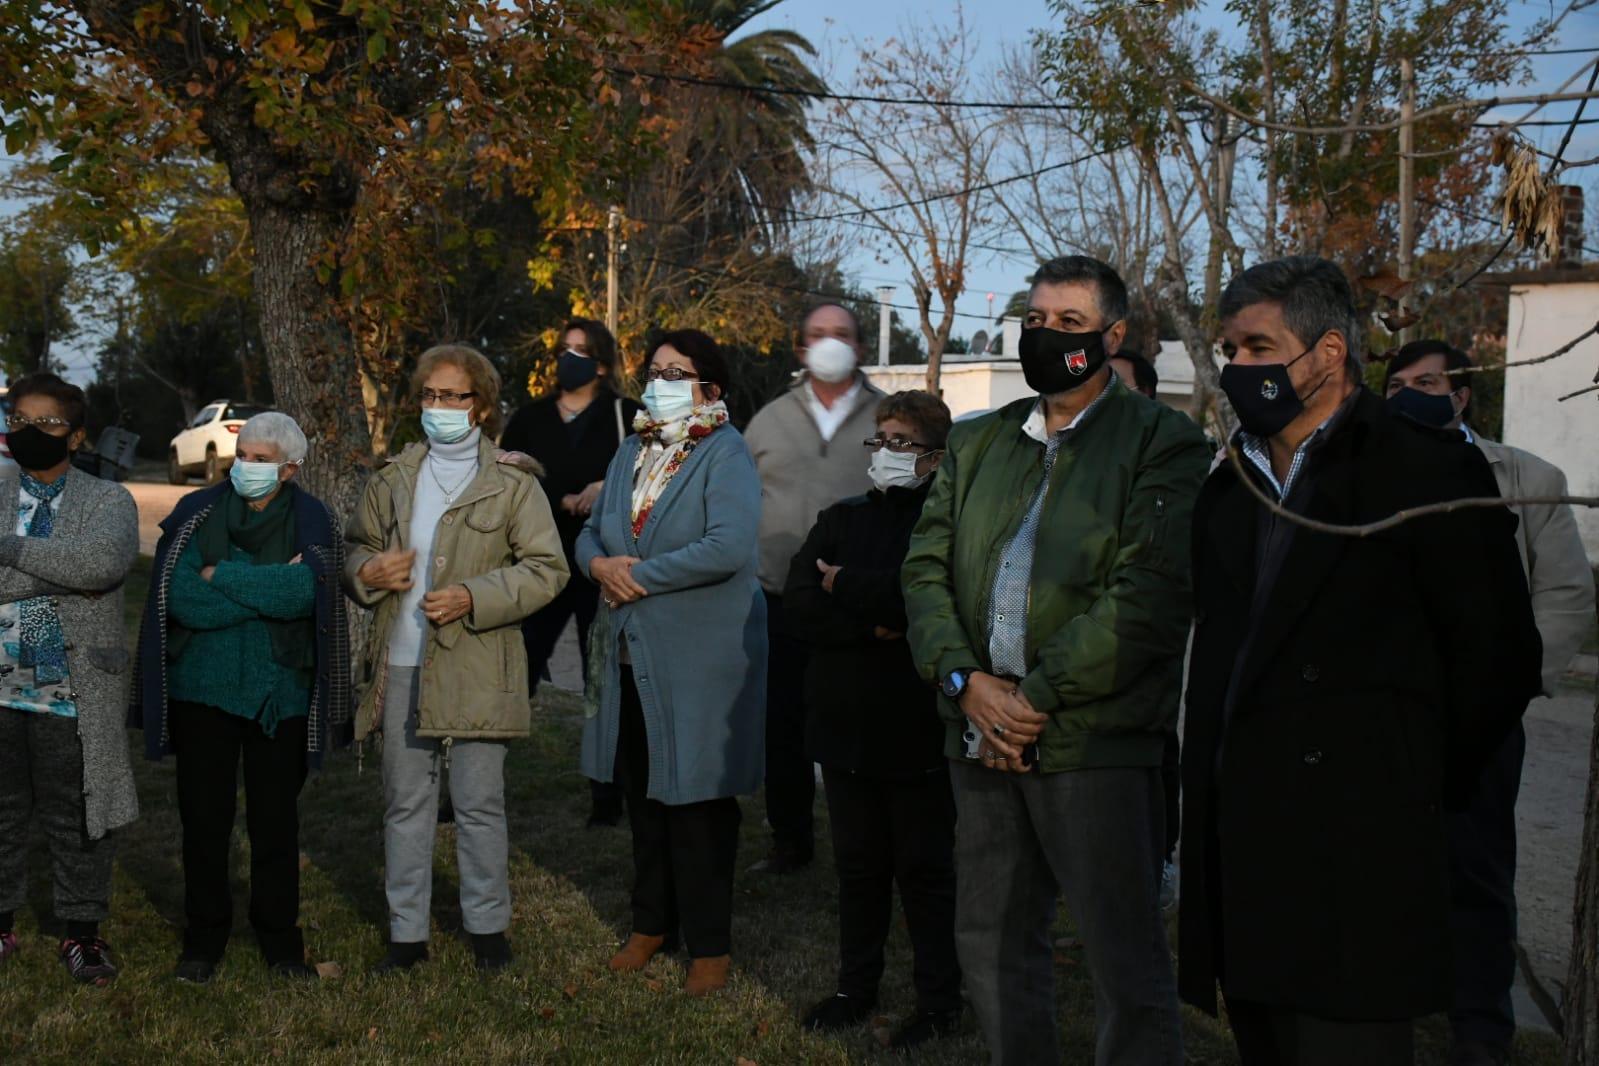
[867,710]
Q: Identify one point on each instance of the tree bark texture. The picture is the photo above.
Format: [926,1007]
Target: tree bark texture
[309,349]
[1581,1002]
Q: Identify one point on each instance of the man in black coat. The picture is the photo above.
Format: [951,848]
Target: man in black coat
[1342,689]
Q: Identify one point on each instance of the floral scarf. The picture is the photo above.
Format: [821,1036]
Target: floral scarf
[43,647]
[664,447]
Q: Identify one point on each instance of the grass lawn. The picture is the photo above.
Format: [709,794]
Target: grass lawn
[558,1003]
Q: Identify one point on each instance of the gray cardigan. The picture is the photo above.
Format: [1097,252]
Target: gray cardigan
[698,640]
[82,566]
[801,474]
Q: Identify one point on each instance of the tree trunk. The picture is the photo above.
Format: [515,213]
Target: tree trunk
[309,350]
[1581,1001]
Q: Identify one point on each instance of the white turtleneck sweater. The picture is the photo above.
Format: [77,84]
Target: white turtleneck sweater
[446,466]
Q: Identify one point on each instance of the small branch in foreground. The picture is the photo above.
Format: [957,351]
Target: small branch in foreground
[1579,392]
[1398,517]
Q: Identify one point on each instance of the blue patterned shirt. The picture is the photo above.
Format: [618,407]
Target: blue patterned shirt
[17,688]
[1013,578]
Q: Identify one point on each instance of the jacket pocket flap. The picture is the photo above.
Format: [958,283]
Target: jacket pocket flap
[486,516]
[112,660]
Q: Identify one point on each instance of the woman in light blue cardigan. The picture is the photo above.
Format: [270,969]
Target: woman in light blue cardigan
[679,653]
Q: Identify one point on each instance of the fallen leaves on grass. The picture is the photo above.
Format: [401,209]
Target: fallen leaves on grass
[882,1030]
[570,991]
[329,971]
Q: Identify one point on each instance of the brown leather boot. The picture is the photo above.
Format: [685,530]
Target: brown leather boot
[707,975]
[638,951]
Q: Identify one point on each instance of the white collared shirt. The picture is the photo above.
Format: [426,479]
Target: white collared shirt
[829,419]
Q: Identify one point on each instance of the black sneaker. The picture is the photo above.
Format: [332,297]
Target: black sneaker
[195,971]
[492,951]
[88,960]
[924,1026]
[838,1011]
[402,957]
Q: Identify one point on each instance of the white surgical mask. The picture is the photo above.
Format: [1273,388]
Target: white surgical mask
[446,425]
[668,401]
[253,480]
[830,360]
[894,470]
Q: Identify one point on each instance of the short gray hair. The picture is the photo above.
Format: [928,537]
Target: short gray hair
[275,427]
[1313,293]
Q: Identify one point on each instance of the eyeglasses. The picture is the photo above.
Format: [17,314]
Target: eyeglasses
[671,373]
[445,397]
[56,427]
[895,444]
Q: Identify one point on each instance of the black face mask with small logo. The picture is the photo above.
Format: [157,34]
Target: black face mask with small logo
[1054,362]
[1263,394]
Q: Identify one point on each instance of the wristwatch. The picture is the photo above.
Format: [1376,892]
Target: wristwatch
[955,683]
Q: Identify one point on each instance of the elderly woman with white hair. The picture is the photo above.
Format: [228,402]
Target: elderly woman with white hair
[244,655]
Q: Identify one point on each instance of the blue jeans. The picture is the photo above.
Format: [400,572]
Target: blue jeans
[1096,836]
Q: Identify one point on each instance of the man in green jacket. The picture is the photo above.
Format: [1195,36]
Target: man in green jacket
[1048,595]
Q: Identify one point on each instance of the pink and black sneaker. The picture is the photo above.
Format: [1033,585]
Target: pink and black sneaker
[8,945]
[88,960]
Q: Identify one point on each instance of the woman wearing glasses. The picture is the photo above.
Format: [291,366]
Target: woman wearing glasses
[874,727]
[680,675]
[67,546]
[572,434]
[451,546]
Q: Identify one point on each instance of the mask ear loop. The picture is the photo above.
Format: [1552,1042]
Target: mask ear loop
[1305,398]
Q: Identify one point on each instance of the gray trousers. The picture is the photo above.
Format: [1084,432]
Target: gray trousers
[1097,837]
[41,780]
[411,768]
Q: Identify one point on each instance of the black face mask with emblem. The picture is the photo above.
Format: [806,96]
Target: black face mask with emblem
[1054,361]
[1263,394]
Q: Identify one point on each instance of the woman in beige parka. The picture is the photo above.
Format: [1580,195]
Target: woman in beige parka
[451,546]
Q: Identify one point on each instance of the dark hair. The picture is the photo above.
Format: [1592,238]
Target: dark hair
[1145,380]
[1110,291]
[1454,360]
[74,405]
[698,347]
[601,345]
[921,409]
[1313,293]
[854,319]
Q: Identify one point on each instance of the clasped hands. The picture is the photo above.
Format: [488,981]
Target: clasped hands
[1005,718]
[614,575]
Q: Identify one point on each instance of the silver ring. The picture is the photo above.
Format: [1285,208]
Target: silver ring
[999,730]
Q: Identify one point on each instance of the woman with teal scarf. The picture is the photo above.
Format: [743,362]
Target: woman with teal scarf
[241,661]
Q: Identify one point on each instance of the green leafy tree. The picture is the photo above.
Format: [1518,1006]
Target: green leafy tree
[340,127]
[37,277]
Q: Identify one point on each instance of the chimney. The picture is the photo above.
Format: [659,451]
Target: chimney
[1569,251]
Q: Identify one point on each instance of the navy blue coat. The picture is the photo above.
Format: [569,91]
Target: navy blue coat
[320,544]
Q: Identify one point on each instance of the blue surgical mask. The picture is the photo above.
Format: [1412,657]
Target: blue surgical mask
[253,480]
[668,401]
[446,425]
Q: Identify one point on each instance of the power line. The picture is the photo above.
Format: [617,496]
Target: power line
[851,98]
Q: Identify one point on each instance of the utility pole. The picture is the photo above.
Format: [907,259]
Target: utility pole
[613,236]
[1407,179]
[885,293]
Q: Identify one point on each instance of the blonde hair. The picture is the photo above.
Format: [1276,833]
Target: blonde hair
[476,366]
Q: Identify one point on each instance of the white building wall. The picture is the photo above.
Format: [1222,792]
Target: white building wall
[1542,318]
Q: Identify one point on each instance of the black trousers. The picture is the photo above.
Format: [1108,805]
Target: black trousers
[209,744]
[790,778]
[541,631]
[683,854]
[1482,903]
[888,832]
[1278,1036]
